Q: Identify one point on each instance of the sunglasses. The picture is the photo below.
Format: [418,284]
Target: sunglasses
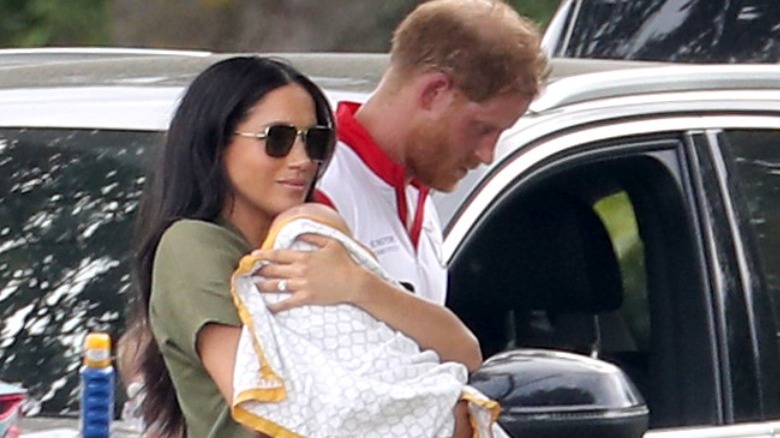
[280,138]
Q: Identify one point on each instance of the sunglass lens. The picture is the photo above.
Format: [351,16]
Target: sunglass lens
[318,140]
[279,140]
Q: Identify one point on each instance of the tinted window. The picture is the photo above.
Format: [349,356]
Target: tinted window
[67,200]
[598,255]
[757,155]
[617,213]
[676,30]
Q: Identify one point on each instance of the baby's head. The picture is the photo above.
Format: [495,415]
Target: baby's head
[318,212]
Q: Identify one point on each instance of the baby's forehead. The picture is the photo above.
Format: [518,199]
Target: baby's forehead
[310,209]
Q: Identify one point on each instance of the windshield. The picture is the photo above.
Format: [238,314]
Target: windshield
[66,212]
[706,31]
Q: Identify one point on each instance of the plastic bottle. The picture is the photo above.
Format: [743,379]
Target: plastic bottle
[97,387]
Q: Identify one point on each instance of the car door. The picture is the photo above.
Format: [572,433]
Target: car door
[615,241]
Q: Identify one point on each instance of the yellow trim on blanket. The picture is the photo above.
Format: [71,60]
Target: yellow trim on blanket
[260,394]
[491,405]
[245,266]
[263,425]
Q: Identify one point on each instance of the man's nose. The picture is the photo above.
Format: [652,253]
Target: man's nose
[486,151]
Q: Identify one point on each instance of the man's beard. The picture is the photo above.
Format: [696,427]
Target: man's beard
[425,158]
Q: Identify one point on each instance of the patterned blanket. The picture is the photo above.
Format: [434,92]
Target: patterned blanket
[336,371]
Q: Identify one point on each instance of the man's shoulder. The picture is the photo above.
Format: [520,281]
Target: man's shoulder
[347,172]
[346,157]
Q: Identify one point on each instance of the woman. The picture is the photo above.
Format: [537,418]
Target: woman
[247,142]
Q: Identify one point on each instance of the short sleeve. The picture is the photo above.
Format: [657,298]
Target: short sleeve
[191,282]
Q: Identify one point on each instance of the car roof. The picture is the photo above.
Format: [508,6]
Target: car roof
[139,88]
[32,56]
[31,68]
[345,71]
[141,92]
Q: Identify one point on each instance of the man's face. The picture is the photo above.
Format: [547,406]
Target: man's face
[463,136]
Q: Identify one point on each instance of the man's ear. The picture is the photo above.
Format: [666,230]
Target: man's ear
[436,90]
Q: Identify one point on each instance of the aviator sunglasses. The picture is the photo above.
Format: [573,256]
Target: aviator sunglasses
[280,138]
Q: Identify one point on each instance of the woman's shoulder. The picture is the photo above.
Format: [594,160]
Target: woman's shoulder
[191,234]
[188,227]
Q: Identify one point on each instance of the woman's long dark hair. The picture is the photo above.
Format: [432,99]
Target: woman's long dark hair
[190,182]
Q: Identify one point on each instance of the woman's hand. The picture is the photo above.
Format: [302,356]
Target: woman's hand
[325,276]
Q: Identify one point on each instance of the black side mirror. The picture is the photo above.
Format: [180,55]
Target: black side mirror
[551,394]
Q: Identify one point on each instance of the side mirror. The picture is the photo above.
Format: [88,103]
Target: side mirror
[552,394]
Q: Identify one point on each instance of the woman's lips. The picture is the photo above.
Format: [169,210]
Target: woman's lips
[294,183]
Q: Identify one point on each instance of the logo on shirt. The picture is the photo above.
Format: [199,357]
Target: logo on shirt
[383,245]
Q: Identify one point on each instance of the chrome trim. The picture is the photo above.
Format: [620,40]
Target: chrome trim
[570,27]
[555,28]
[532,125]
[657,79]
[516,163]
[740,246]
[687,99]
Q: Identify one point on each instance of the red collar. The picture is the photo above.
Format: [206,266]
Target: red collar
[357,138]
[354,135]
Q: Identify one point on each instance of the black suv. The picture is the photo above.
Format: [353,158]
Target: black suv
[700,31]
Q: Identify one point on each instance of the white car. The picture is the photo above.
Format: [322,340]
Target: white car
[619,261]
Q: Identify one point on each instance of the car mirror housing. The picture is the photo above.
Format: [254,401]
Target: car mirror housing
[550,394]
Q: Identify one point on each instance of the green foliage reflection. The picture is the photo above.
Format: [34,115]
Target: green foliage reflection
[618,215]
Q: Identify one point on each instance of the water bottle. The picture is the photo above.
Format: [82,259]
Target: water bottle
[97,387]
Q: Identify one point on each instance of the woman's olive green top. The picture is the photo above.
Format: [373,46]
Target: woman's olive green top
[191,288]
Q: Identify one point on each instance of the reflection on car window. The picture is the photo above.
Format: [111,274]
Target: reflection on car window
[758,169]
[618,215]
[66,212]
[676,30]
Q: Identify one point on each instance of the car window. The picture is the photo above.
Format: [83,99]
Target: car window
[598,256]
[617,213]
[67,199]
[675,30]
[757,158]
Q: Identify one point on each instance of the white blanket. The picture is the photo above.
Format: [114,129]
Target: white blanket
[336,371]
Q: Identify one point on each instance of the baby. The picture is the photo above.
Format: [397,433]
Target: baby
[330,371]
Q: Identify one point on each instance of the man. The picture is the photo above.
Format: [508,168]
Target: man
[460,73]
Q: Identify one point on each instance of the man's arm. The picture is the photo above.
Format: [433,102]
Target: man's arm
[329,276]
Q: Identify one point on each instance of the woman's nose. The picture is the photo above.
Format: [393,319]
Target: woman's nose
[298,156]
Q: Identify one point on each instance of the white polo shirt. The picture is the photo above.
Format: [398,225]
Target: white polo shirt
[393,217]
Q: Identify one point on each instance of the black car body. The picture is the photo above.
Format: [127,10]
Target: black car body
[697,31]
